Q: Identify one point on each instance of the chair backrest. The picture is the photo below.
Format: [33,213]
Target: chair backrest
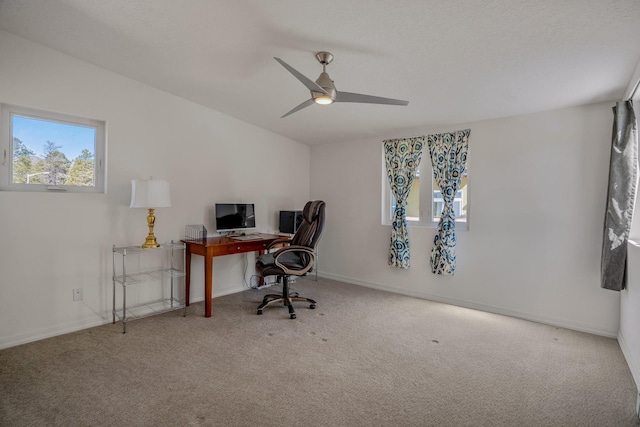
[310,229]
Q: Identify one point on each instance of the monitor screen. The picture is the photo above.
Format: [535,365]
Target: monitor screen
[235,216]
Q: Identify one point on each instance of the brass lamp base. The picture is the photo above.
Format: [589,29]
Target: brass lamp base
[150,242]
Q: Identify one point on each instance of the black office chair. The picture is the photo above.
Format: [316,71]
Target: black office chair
[295,259]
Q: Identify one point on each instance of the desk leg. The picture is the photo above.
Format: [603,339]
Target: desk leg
[187,273]
[261,278]
[208,284]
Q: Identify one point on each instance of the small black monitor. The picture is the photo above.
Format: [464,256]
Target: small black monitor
[235,217]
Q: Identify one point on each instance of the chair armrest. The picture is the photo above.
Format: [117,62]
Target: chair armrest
[294,248]
[278,242]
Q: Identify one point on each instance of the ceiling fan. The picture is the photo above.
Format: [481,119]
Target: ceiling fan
[324,92]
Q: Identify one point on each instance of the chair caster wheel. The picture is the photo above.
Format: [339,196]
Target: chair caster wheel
[293,316]
[259,311]
[312,306]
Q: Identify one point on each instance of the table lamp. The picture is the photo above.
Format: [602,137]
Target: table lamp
[150,194]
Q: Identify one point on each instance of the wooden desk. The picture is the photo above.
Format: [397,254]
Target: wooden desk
[219,246]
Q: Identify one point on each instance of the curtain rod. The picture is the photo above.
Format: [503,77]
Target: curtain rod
[633,91]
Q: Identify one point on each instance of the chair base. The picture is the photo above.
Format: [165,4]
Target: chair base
[286,298]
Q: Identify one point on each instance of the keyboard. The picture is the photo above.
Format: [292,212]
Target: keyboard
[248,237]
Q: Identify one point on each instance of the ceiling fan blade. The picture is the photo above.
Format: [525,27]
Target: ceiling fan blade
[299,107]
[367,99]
[310,84]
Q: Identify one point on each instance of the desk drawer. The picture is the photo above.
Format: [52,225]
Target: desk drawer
[220,245]
[249,246]
[239,247]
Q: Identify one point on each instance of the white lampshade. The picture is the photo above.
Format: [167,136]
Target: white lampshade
[150,194]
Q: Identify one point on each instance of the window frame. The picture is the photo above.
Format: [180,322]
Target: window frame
[426,198]
[7,111]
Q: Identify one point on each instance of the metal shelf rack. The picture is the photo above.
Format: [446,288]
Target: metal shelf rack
[172,269]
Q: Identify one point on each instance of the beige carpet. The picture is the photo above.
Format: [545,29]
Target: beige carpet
[362,358]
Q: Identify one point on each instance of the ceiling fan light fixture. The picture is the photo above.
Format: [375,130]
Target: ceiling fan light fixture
[323,100]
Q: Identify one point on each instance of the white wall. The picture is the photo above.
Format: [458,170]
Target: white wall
[537,194]
[629,335]
[53,243]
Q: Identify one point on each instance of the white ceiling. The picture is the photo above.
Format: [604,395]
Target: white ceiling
[455,61]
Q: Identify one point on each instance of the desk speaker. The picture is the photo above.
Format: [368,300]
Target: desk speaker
[290,221]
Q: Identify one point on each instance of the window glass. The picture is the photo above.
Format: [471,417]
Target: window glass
[51,151]
[459,202]
[425,202]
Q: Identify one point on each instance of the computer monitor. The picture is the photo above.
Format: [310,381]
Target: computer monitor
[290,221]
[235,217]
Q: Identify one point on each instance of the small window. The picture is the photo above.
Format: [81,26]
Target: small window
[45,151]
[425,202]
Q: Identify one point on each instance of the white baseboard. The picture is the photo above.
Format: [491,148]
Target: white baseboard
[97,321]
[53,331]
[634,365]
[77,325]
[563,323]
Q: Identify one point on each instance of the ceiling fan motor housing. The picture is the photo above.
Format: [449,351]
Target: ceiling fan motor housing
[325,82]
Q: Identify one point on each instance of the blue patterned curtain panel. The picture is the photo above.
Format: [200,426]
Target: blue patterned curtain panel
[449,159]
[402,158]
[623,172]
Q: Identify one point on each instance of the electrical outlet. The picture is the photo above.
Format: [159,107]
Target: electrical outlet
[77,294]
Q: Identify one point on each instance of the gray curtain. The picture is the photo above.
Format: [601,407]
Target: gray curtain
[623,170]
